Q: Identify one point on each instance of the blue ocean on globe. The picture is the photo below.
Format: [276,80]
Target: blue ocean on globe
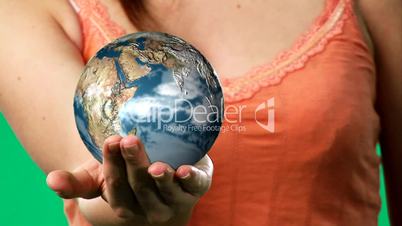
[155,86]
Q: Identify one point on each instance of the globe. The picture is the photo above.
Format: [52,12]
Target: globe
[155,86]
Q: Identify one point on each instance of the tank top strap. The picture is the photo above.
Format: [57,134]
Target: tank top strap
[97,27]
[349,5]
[74,5]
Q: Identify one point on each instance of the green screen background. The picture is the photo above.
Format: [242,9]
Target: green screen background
[26,200]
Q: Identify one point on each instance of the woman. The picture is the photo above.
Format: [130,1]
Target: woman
[301,130]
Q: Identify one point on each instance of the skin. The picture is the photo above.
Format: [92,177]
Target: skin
[49,44]
[135,189]
[384,23]
[49,50]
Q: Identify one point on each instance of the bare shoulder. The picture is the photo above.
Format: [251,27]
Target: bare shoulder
[29,14]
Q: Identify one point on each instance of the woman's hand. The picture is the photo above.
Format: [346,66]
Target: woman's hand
[136,190]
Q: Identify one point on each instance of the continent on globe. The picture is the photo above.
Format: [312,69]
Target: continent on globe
[155,86]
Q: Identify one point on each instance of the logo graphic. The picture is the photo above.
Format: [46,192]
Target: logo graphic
[181,116]
[269,105]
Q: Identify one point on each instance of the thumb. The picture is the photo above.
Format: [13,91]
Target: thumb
[72,185]
[196,179]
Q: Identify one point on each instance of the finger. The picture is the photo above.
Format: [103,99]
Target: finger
[196,179]
[118,193]
[133,152]
[168,188]
[72,185]
[141,183]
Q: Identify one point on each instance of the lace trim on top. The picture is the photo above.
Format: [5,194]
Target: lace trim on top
[98,25]
[312,42]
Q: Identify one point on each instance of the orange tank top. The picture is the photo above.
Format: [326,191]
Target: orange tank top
[298,141]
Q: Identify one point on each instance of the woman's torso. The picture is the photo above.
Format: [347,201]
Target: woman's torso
[298,145]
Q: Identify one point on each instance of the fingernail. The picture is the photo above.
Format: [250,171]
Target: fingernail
[114,146]
[185,176]
[157,171]
[130,144]
[158,175]
[130,147]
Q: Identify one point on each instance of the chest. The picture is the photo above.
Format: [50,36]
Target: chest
[235,36]
[327,75]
